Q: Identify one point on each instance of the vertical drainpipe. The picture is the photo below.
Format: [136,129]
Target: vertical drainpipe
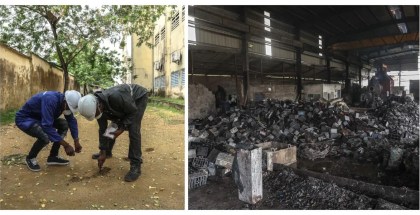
[153,63]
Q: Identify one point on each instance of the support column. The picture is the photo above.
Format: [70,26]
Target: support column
[328,69]
[192,67]
[261,69]
[347,81]
[238,89]
[298,67]
[360,76]
[399,77]
[245,60]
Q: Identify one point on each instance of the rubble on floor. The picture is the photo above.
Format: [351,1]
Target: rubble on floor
[287,190]
[387,136]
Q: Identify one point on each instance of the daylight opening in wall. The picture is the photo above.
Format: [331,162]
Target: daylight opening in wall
[267,21]
[191,30]
[320,45]
[268,46]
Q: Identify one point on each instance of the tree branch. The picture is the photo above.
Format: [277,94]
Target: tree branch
[75,53]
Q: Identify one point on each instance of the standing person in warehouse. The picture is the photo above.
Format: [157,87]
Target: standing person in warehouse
[123,105]
[39,118]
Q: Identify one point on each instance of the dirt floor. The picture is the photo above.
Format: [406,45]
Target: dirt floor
[80,186]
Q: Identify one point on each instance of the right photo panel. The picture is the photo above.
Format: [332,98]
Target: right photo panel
[303,107]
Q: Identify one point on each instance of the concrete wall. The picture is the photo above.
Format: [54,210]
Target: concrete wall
[22,76]
[173,42]
[211,82]
[278,90]
[272,91]
[326,91]
[142,61]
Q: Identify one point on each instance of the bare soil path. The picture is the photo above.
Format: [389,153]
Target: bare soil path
[80,185]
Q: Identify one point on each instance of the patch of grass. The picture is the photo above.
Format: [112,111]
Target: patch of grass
[176,101]
[164,107]
[170,115]
[7,117]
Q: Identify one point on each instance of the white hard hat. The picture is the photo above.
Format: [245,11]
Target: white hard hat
[87,106]
[72,98]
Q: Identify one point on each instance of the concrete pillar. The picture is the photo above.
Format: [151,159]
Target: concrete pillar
[360,76]
[298,67]
[399,77]
[238,89]
[328,69]
[192,67]
[347,81]
[261,69]
[245,59]
[250,175]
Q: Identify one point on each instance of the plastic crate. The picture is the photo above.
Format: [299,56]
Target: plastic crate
[197,179]
[200,163]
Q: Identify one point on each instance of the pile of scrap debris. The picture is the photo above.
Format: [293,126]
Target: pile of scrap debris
[387,136]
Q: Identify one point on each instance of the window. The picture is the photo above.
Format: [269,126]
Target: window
[183,77]
[157,39]
[191,29]
[267,21]
[162,33]
[175,79]
[160,82]
[175,20]
[268,46]
[320,45]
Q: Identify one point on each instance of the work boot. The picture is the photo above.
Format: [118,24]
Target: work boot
[133,174]
[96,155]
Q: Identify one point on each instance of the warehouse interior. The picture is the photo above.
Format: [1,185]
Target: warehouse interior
[294,107]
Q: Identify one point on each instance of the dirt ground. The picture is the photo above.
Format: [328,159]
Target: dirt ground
[80,186]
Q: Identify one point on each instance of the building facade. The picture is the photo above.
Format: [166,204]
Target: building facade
[161,68]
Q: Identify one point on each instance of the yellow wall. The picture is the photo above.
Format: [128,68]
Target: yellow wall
[174,41]
[22,76]
[142,61]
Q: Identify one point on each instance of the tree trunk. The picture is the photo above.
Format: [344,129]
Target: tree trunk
[84,89]
[66,77]
[53,23]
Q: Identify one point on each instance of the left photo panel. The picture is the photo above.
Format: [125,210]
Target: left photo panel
[92,107]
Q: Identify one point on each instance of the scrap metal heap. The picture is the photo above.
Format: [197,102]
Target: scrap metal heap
[387,135]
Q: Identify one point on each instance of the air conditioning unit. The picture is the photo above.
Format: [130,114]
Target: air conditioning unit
[176,56]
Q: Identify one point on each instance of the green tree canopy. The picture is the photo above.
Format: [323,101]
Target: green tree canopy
[62,33]
[96,66]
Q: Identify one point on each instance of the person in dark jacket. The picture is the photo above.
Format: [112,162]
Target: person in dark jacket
[39,118]
[123,105]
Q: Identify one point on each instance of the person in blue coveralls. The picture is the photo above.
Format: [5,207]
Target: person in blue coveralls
[39,118]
